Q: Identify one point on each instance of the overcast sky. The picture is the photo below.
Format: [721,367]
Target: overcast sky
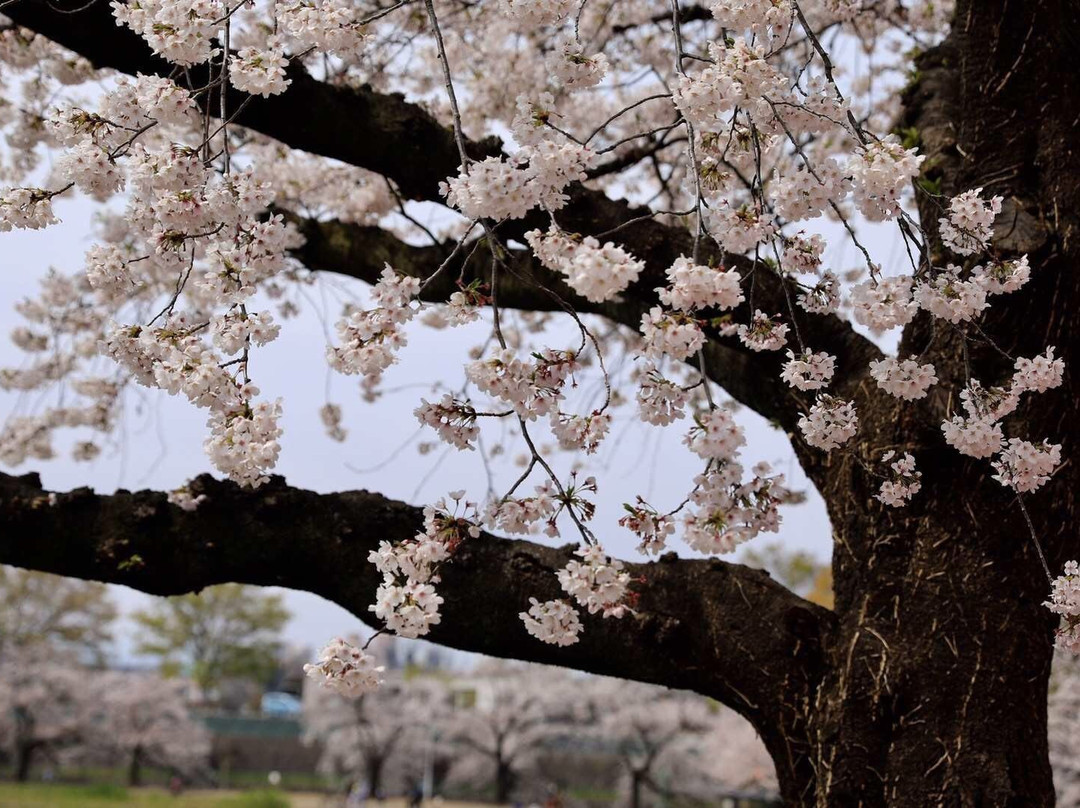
[160,445]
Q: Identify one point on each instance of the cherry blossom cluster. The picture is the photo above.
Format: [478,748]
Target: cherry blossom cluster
[597,582]
[406,601]
[881,172]
[905,379]
[508,189]
[370,338]
[904,482]
[259,72]
[25,209]
[831,423]
[572,68]
[345,669]
[700,287]
[739,76]
[715,436]
[595,272]
[554,621]
[531,388]
[453,420]
[808,370]
[1025,466]
[978,433]
[652,528]
[764,333]
[536,12]
[580,432]
[244,434]
[670,333]
[660,400]
[757,16]
[884,304]
[730,511]
[520,515]
[969,224]
[951,298]
[1065,601]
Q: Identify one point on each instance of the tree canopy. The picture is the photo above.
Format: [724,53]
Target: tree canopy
[649,211]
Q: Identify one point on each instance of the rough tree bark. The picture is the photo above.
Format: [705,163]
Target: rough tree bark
[926,686]
[504,779]
[134,777]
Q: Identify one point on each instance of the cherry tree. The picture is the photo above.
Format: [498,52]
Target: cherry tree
[510,713]
[363,736]
[647,725]
[41,709]
[142,719]
[643,206]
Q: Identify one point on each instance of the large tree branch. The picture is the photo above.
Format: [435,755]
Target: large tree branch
[361,251]
[721,629]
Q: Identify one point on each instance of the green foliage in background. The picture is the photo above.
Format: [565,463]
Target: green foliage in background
[227,631]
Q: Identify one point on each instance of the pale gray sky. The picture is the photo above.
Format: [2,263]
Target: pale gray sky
[160,445]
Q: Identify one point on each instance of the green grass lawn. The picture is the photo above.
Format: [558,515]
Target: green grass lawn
[37,795]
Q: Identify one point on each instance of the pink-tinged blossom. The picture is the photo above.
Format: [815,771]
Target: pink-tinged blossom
[259,72]
[764,333]
[660,400]
[976,437]
[554,621]
[730,511]
[1002,277]
[904,482]
[967,228]
[1025,466]
[371,338]
[672,333]
[596,272]
[739,76]
[454,421]
[1065,601]
[580,432]
[808,370]
[345,669]
[881,172]
[597,582]
[651,528]
[700,287]
[831,423]
[25,209]
[946,296]
[823,297]
[905,379]
[1038,374]
[715,436]
[884,303]
[571,67]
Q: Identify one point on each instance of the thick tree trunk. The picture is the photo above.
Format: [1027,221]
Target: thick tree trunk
[933,690]
[936,689]
[134,777]
[637,783]
[504,781]
[24,761]
[375,764]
